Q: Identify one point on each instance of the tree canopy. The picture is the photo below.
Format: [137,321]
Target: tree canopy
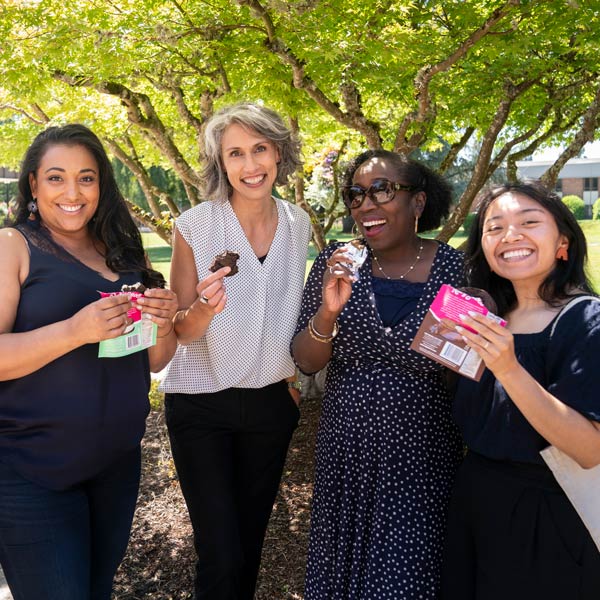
[496,78]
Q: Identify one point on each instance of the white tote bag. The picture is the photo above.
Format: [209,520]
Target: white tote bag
[582,486]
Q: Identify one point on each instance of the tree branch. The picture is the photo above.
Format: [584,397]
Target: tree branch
[480,171]
[583,136]
[425,112]
[301,81]
[140,112]
[455,149]
[37,115]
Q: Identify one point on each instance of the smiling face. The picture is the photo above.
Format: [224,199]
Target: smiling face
[250,161]
[389,225]
[520,239]
[67,187]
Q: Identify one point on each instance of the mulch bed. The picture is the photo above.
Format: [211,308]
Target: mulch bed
[160,558]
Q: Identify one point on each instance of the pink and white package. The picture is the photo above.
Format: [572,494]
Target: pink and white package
[134,292]
[437,337]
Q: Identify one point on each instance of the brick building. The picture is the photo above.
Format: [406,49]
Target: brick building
[579,177]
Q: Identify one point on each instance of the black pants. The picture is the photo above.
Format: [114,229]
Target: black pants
[229,449]
[514,535]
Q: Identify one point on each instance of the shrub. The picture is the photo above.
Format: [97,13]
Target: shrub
[576,205]
[156,398]
[596,209]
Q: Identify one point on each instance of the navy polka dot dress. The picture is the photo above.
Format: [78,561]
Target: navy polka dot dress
[387,450]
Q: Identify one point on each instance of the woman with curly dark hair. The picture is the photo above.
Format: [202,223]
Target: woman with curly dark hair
[387,448]
[71,422]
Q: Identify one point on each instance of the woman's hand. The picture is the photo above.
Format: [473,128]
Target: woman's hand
[103,319]
[337,282]
[159,305]
[211,291]
[494,343]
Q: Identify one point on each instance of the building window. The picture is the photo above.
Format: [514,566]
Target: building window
[558,187]
[590,184]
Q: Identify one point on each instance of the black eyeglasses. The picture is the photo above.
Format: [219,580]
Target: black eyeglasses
[379,192]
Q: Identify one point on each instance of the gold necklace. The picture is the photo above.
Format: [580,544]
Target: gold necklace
[407,271]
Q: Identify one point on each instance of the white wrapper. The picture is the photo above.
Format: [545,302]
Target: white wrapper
[358,253]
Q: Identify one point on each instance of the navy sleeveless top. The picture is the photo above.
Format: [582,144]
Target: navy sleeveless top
[72,418]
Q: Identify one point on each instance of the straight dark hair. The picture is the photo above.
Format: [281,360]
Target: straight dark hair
[112,224]
[565,277]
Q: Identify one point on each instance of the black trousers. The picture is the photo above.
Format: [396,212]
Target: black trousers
[229,450]
[514,535]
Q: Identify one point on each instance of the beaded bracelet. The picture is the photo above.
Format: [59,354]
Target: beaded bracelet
[319,337]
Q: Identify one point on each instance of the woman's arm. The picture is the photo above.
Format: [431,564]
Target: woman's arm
[200,301]
[312,346]
[24,353]
[563,426]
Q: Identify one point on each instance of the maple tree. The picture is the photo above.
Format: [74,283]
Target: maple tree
[499,79]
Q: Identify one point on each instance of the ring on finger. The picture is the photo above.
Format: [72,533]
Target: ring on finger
[203,299]
[485,346]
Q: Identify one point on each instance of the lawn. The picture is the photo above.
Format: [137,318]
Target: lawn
[160,253]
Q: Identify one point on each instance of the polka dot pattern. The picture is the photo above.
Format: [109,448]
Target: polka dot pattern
[387,451]
[246,345]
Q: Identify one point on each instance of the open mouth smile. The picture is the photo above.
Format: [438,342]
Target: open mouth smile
[510,254]
[254,180]
[375,223]
[70,207]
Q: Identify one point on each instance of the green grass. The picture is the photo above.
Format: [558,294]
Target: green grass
[160,253]
[592,235]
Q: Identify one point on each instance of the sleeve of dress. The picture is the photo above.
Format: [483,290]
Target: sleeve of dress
[572,363]
[312,295]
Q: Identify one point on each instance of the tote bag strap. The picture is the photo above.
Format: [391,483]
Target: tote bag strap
[568,307]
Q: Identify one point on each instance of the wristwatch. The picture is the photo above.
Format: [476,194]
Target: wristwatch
[294,385]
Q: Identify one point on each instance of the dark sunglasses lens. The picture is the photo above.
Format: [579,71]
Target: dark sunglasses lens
[381,191]
[380,185]
[353,196]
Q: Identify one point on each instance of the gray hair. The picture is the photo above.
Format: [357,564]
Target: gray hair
[265,122]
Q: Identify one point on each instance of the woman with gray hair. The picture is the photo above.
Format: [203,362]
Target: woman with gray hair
[231,403]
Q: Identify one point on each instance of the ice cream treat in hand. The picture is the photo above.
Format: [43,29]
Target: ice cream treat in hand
[437,337]
[357,251]
[136,287]
[484,296]
[225,259]
[134,291]
[138,335]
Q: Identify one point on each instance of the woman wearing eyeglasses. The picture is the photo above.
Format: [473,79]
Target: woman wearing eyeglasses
[387,448]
